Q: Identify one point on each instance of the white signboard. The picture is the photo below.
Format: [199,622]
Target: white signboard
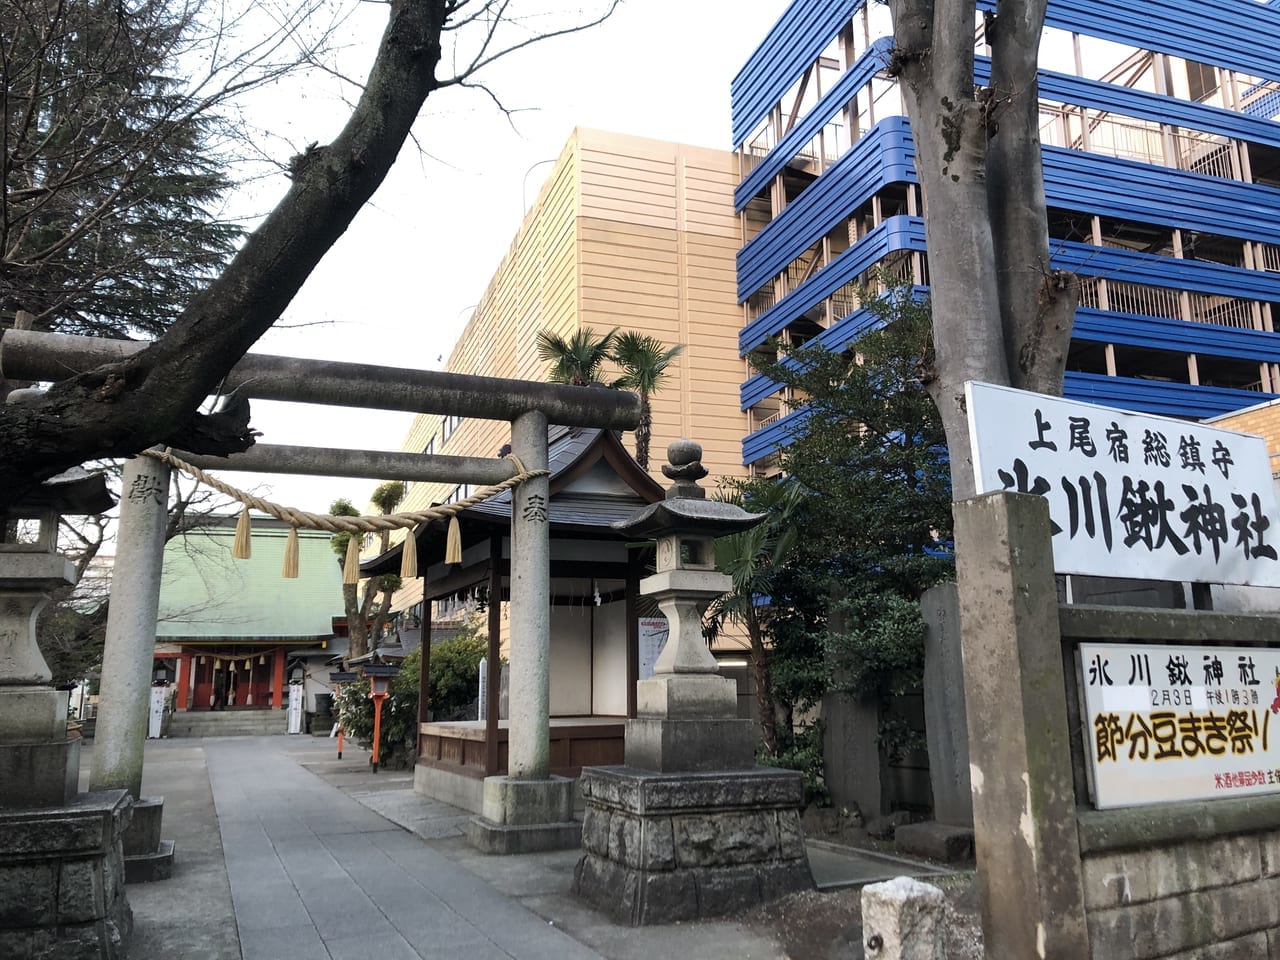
[1131,495]
[155,716]
[296,694]
[653,637]
[1179,722]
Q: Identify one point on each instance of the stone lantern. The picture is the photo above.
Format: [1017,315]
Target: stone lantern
[62,873]
[687,714]
[689,827]
[39,765]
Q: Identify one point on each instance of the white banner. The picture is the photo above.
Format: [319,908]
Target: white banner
[1131,495]
[1165,723]
[155,714]
[296,695]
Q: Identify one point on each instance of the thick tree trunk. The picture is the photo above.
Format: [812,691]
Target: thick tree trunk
[357,631]
[1000,315]
[124,407]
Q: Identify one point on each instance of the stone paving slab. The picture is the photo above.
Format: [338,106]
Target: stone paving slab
[303,855]
[285,852]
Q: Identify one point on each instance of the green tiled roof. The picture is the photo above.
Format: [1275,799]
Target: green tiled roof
[205,593]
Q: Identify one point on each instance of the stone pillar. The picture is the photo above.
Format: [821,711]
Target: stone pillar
[528,810]
[904,919]
[131,628]
[949,835]
[529,738]
[1024,807]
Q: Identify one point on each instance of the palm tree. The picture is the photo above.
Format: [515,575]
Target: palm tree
[577,360]
[644,361]
[751,559]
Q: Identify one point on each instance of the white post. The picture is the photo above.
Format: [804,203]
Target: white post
[131,628]
[530,726]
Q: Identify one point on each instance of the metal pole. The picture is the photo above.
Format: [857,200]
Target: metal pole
[131,628]
[529,736]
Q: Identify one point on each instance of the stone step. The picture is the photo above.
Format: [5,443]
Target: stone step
[237,723]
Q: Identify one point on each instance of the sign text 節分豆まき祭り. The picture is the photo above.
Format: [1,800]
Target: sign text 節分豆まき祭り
[1165,723]
[1131,495]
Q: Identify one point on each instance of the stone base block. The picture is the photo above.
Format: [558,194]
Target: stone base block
[525,816]
[937,841]
[44,774]
[507,839]
[143,835]
[662,847]
[514,802]
[687,696]
[690,746]
[62,879]
[154,865]
[32,714]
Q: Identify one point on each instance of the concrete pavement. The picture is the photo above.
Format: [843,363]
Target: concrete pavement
[306,870]
[285,852]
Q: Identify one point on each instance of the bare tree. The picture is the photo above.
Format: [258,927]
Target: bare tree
[153,397]
[72,628]
[1001,314]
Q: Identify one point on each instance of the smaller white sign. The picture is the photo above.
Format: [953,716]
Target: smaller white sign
[1165,723]
[296,694]
[1131,495]
[653,637]
[156,715]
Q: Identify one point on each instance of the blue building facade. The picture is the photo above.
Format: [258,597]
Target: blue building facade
[1162,177]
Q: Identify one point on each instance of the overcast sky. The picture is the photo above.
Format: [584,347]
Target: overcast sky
[400,285]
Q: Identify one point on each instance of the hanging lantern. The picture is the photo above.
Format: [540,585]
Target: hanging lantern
[200,660]
[217,664]
[262,659]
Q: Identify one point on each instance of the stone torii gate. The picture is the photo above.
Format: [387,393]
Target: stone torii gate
[528,800]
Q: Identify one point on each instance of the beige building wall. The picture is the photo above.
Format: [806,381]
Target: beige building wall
[1262,420]
[630,233]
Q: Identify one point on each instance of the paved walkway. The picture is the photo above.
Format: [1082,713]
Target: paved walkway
[285,852]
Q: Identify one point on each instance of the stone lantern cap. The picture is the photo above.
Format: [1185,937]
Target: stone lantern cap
[686,511]
[74,492]
[30,525]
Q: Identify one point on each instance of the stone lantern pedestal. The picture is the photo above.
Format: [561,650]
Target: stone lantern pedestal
[689,827]
[61,853]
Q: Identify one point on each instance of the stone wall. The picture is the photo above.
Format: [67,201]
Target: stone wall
[1167,884]
[62,880]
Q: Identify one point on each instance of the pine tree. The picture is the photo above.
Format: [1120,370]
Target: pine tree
[111,175]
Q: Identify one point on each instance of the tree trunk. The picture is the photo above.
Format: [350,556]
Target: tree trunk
[764,691]
[1000,314]
[644,431]
[357,633]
